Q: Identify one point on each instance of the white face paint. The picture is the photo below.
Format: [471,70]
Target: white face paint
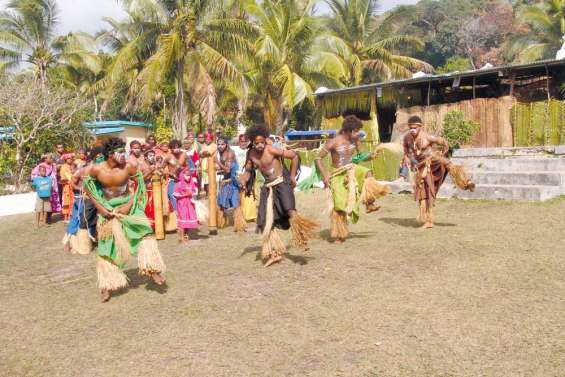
[186,177]
[414,131]
[119,156]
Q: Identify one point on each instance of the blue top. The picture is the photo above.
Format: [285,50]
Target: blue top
[42,186]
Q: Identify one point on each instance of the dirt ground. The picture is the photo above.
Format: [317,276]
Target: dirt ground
[482,294]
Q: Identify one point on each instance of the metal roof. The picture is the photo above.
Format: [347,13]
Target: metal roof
[107,131]
[431,78]
[116,123]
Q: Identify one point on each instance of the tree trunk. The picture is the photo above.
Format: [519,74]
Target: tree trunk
[274,116]
[96,114]
[178,108]
[18,182]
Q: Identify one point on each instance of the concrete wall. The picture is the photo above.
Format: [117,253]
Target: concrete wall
[129,134]
[17,204]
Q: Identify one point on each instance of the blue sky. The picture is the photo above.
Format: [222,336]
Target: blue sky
[86,15]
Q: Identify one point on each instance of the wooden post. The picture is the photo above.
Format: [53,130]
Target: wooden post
[212,195]
[158,207]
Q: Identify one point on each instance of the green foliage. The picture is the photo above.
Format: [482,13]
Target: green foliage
[457,130]
[453,64]
[163,129]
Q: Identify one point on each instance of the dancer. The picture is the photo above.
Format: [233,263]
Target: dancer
[123,228]
[350,184]
[277,208]
[431,168]
[185,191]
[228,192]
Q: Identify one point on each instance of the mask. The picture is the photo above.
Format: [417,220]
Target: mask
[99,160]
[186,177]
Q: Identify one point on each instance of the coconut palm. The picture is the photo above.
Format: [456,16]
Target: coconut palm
[358,41]
[27,29]
[286,65]
[545,24]
[193,45]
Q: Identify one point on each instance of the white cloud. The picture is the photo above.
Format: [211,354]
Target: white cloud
[86,15]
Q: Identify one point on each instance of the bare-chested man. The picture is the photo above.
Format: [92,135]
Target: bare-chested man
[350,183]
[123,228]
[431,165]
[277,207]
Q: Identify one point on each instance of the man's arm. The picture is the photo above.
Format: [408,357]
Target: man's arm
[436,140]
[289,155]
[247,173]
[326,148]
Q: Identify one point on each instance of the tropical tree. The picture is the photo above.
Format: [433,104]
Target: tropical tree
[193,45]
[366,49]
[287,64]
[545,28]
[27,29]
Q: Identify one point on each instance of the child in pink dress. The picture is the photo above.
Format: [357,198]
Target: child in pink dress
[185,190]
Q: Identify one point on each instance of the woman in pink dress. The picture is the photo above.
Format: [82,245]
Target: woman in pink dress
[185,190]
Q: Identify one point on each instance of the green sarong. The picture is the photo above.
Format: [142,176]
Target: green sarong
[340,191]
[135,224]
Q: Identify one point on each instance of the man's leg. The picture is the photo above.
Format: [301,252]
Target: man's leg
[37,219]
[110,277]
[425,215]
[149,260]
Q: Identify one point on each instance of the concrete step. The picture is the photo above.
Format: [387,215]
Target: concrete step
[488,191]
[535,178]
[504,192]
[510,152]
[539,164]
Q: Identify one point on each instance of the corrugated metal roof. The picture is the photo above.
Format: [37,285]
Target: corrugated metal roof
[107,131]
[116,123]
[431,78]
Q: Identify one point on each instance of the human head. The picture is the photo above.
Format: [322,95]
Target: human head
[150,156]
[150,140]
[114,150]
[243,141]
[175,146]
[164,147]
[68,158]
[60,148]
[185,175]
[258,136]
[201,139]
[81,154]
[96,155]
[351,126]
[42,170]
[223,143]
[209,138]
[135,148]
[415,124]
[48,158]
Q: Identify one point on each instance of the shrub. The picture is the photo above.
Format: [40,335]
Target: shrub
[457,130]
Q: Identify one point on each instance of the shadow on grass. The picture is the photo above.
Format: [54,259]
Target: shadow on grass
[409,222]
[135,281]
[326,235]
[297,259]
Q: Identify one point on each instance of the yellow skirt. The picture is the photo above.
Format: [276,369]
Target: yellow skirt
[248,207]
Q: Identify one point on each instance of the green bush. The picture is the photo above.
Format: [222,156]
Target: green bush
[455,63]
[457,130]
[163,128]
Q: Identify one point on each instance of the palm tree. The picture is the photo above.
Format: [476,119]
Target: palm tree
[286,64]
[27,29]
[545,24]
[358,41]
[193,46]
[82,65]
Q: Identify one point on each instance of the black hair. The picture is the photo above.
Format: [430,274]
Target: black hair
[351,123]
[174,144]
[134,142]
[225,139]
[111,145]
[414,119]
[256,131]
[95,152]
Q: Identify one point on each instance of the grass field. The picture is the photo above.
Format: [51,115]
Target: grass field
[482,294]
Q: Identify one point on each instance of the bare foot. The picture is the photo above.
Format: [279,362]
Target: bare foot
[339,240]
[428,225]
[104,295]
[273,260]
[157,278]
[372,208]
[67,247]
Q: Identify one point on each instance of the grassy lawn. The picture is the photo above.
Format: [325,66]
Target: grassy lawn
[482,294]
